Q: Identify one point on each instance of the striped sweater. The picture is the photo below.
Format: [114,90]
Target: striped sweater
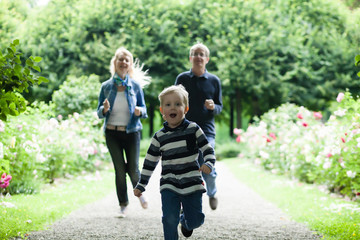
[178,149]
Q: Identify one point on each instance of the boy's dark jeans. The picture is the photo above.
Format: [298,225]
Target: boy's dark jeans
[118,143]
[191,218]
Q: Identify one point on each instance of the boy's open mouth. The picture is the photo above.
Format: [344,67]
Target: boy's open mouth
[172,115]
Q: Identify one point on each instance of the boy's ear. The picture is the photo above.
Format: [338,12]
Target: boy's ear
[186,109]
[161,110]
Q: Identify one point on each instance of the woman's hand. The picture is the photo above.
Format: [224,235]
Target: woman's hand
[137,111]
[106,105]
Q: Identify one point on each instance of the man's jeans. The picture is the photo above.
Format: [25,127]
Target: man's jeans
[209,178]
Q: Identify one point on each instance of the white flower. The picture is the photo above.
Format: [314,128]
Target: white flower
[264,155]
[327,165]
[1,150]
[340,112]
[7,204]
[350,174]
[2,126]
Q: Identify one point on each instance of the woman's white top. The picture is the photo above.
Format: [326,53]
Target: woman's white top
[120,114]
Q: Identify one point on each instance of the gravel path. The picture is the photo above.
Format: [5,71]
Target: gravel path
[241,214]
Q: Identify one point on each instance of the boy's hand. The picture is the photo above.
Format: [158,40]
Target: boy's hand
[205,169]
[137,192]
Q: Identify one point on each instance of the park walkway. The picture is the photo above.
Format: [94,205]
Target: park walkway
[241,214]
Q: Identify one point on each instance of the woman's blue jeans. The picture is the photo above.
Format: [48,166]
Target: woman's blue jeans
[118,143]
[191,218]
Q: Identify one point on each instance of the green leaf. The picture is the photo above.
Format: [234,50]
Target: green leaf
[16,42]
[37,59]
[29,62]
[42,79]
[357,58]
[17,69]
[37,68]
[12,106]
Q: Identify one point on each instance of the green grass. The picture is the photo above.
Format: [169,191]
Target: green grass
[332,217]
[36,212]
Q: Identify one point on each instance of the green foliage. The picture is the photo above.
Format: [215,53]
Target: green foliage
[77,94]
[227,150]
[352,3]
[40,149]
[15,79]
[265,52]
[12,16]
[285,51]
[293,141]
[357,63]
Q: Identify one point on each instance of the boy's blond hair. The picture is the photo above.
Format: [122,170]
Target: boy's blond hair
[179,89]
[201,46]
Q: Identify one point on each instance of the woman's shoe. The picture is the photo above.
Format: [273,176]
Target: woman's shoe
[143,202]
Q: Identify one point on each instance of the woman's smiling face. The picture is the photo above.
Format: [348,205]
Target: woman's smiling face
[173,109]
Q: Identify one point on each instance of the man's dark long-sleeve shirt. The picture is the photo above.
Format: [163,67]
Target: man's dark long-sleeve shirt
[207,86]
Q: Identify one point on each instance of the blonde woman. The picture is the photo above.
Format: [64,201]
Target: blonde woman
[122,104]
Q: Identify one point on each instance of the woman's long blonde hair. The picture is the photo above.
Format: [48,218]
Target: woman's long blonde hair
[135,71]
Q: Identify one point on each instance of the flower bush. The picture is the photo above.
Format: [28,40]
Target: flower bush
[38,148]
[297,142]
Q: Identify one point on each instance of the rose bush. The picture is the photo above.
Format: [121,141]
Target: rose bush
[38,148]
[297,142]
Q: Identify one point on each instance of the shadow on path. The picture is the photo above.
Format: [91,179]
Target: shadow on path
[241,214]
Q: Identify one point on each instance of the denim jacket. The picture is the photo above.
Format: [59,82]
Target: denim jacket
[135,97]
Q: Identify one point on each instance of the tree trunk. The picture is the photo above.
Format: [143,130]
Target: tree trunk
[151,120]
[255,107]
[231,117]
[238,109]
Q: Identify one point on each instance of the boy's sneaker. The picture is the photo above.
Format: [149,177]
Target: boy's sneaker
[123,211]
[143,202]
[213,201]
[185,232]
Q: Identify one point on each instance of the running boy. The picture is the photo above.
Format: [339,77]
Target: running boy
[177,144]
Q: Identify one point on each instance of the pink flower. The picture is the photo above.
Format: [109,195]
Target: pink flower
[318,115]
[268,139]
[305,124]
[329,155]
[238,139]
[237,131]
[340,97]
[343,140]
[299,115]
[272,135]
[4,181]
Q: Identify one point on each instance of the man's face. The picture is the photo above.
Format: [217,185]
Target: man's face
[198,58]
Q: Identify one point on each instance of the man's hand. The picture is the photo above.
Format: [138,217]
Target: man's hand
[209,104]
[205,169]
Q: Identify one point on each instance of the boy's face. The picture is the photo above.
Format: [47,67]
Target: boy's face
[198,58]
[173,109]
